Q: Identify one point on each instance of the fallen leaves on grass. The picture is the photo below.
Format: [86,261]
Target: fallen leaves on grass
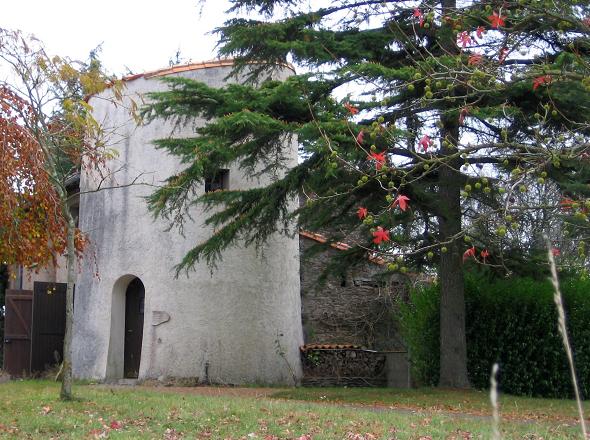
[172,434]
[367,436]
[8,429]
[173,414]
[98,433]
[460,435]
[116,425]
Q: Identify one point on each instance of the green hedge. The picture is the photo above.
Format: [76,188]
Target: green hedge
[512,322]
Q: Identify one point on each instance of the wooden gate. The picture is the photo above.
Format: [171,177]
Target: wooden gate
[17,332]
[49,325]
[34,328]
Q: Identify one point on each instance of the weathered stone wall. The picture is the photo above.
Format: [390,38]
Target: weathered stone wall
[355,309]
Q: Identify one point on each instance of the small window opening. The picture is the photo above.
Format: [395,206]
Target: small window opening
[219,181]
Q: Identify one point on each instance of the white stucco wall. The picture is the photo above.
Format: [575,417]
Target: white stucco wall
[226,321]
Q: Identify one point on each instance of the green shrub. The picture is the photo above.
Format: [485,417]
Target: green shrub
[512,322]
[420,327]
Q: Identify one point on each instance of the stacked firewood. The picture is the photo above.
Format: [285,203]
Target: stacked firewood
[342,365]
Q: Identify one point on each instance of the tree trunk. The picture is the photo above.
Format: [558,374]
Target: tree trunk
[453,345]
[66,382]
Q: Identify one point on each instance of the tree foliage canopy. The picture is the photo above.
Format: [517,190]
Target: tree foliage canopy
[497,92]
[47,133]
[435,133]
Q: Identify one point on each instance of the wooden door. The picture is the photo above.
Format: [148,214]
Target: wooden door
[49,325]
[17,332]
[134,309]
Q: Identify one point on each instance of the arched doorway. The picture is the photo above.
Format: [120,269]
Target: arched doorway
[134,311]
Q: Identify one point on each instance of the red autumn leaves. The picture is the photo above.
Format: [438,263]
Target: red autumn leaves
[350,108]
[566,204]
[420,16]
[362,213]
[402,202]
[425,142]
[464,39]
[31,222]
[543,80]
[115,424]
[471,253]
[496,20]
[379,159]
[475,59]
[360,137]
[491,29]
[382,235]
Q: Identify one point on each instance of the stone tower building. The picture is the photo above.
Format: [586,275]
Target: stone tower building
[238,324]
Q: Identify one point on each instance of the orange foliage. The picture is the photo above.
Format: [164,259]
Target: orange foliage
[32,224]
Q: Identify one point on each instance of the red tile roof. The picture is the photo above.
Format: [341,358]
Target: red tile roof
[221,62]
[306,347]
[338,245]
[181,68]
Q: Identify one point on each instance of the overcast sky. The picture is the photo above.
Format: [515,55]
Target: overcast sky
[138,35]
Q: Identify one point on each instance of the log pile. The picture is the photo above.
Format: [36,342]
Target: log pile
[342,365]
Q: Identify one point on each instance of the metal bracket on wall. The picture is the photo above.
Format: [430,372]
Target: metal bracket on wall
[159,317]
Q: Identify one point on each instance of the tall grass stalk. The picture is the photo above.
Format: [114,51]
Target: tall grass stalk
[494,401]
[557,297]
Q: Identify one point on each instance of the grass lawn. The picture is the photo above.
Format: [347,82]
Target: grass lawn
[31,410]
[444,401]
